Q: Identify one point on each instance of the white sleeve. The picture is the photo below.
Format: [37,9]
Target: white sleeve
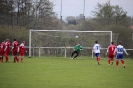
[107,49]
[5,48]
[115,51]
[18,49]
[125,51]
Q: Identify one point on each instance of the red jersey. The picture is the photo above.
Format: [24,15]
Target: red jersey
[21,48]
[15,46]
[2,47]
[7,46]
[111,49]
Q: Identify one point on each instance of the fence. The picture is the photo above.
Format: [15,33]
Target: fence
[66,52]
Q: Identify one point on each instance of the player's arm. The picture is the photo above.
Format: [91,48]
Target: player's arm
[93,49]
[5,48]
[107,51]
[18,49]
[125,51]
[81,48]
[115,51]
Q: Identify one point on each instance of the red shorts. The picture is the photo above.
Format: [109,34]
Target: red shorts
[21,53]
[1,52]
[14,52]
[6,52]
[111,57]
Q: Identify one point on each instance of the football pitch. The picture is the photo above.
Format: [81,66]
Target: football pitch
[60,72]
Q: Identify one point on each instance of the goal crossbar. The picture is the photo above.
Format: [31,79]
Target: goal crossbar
[30,32]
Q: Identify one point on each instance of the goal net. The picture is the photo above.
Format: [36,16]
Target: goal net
[61,42]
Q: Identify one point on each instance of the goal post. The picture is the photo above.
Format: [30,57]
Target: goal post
[60,40]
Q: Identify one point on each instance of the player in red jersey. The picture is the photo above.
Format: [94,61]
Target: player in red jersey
[7,49]
[14,50]
[21,51]
[2,47]
[110,53]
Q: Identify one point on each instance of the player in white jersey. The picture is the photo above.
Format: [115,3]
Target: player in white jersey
[96,50]
[119,54]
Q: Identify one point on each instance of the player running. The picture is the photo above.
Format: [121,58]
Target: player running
[119,54]
[110,53]
[21,51]
[77,49]
[7,49]
[96,50]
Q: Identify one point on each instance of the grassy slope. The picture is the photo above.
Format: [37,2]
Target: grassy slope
[57,72]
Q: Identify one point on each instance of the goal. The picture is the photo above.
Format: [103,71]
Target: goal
[61,42]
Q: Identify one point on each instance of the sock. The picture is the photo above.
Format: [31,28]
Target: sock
[21,59]
[2,59]
[15,59]
[122,61]
[117,62]
[6,58]
[108,61]
[98,58]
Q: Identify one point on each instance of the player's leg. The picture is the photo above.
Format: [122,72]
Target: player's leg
[117,60]
[0,58]
[98,58]
[112,59]
[122,61]
[77,53]
[19,57]
[6,56]
[117,63]
[15,56]
[72,54]
[22,56]
[108,59]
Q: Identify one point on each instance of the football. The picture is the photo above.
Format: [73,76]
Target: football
[76,36]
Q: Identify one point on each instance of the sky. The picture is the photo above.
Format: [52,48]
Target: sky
[76,7]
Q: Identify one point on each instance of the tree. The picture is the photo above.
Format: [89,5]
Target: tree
[113,18]
[106,13]
[71,20]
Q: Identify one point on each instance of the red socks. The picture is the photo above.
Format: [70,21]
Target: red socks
[108,61]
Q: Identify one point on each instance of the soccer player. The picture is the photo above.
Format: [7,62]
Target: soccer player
[110,53]
[7,49]
[96,50]
[119,54]
[77,49]
[21,51]
[14,50]
[2,47]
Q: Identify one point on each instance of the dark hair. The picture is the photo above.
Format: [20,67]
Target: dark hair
[96,41]
[112,42]
[120,42]
[14,39]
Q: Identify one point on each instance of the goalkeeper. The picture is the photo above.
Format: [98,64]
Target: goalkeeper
[77,49]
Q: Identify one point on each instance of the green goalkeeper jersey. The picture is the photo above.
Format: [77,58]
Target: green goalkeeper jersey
[78,48]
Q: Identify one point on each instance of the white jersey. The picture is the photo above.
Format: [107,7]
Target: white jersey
[96,48]
[119,49]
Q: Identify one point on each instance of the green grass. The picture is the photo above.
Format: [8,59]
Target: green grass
[59,72]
